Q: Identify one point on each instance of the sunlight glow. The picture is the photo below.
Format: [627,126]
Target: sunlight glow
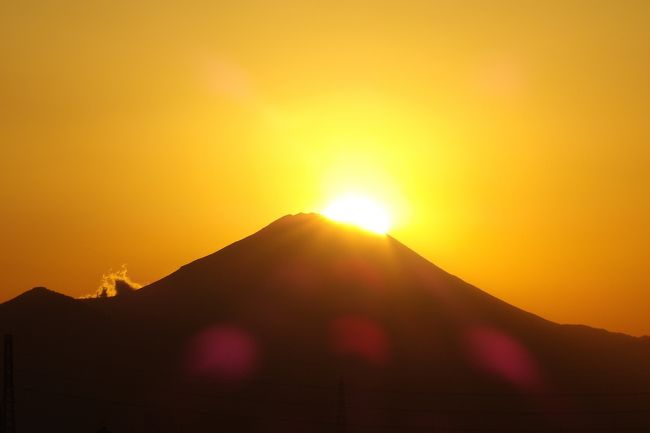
[361,212]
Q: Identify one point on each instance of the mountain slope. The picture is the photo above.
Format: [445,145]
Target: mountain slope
[257,336]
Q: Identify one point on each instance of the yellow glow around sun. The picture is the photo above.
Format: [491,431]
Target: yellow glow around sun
[359,211]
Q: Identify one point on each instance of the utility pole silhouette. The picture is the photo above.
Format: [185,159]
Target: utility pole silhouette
[341,418]
[8,424]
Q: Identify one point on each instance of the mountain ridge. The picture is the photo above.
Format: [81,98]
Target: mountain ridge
[42,294]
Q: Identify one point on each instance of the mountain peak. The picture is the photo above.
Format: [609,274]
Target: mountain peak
[38,300]
[38,294]
[300,216]
[304,218]
[309,253]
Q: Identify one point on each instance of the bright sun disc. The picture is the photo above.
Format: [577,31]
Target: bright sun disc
[361,212]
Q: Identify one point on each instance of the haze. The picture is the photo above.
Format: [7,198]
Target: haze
[509,140]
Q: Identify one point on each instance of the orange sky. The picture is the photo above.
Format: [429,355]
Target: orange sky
[509,139]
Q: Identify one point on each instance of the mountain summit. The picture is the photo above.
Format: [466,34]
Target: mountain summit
[307,322]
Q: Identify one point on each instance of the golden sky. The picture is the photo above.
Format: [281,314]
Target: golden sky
[509,139]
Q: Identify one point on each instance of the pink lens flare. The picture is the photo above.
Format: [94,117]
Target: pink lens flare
[500,354]
[224,353]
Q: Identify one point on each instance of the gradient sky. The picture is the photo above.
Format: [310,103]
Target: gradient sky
[510,139]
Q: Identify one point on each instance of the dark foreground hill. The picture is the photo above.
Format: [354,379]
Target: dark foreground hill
[310,326]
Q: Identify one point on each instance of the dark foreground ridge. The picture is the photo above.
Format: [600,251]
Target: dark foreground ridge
[312,326]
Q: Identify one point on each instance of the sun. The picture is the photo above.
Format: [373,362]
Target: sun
[359,211]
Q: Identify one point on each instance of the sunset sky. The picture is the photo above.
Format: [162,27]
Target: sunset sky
[510,140]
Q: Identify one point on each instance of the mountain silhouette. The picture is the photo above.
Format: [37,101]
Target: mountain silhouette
[313,326]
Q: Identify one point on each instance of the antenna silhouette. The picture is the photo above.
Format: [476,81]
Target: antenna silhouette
[8,424]
[341,418]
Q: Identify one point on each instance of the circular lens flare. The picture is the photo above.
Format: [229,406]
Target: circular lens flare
[361,212]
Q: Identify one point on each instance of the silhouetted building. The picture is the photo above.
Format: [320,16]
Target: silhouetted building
[8,421]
